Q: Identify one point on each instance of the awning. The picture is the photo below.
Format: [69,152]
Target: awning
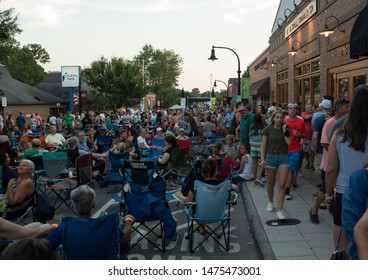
[261,87]
[359,36]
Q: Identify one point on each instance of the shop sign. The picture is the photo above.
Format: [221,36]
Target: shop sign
[70,76]
[302,17]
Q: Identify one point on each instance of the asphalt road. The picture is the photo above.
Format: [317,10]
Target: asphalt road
[242,243]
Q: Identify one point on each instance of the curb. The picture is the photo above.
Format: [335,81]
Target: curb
[256,227]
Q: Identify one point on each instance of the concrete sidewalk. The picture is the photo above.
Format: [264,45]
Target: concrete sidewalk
[304,241]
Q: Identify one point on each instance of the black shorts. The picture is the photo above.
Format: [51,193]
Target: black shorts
[337,213]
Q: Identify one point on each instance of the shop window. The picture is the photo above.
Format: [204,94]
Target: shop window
[316,90]
[315,66]
[343,88]
[306,69]
[307,91]
[298,71]
[358,80]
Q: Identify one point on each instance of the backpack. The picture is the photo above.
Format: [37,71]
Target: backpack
[44,209]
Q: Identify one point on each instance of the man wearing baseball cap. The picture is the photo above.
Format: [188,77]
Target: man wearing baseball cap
[297,130]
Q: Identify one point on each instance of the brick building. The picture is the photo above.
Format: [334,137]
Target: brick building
[322,63]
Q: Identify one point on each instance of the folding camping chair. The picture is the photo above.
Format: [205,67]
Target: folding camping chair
[146,201]
[63,187]
[104,143]
[211,206]
[113,165]
[91,238]
[158,142]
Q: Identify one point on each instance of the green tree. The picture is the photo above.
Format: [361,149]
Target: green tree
[246,73]
[23,62]
[161,70]
[8,24]
[116,82]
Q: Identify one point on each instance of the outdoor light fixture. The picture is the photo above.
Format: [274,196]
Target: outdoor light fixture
[279,23]
[213,58]
[294,50]
[275,60]
[295,5]
[328,31]
[285,12]
[227,88]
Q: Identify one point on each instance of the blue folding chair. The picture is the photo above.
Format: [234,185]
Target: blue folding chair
[104,143]
[92,238]
[146,201]
[115,162]
[211,206]
[158,142]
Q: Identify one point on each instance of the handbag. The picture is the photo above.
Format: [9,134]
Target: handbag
[336,254]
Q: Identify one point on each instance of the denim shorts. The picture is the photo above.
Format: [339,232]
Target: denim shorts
[274,161]
[294,160]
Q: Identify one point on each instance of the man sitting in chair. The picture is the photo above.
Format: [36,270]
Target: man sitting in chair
[83,200]
[35,150]
[54,139]
[141,140]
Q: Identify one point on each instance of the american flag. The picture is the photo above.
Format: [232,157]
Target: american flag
[76,98]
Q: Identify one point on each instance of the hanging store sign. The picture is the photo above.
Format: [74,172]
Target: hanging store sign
[302,17]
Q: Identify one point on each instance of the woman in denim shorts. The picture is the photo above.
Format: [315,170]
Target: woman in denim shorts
[275,140]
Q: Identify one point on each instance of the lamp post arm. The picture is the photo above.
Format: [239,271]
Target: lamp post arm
[239,71]
[226,48]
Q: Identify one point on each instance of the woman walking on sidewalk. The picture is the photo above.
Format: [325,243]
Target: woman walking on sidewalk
[275,140]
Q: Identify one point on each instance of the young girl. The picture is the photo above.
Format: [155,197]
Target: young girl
[255,141]
[275,140]
[218,151]
[245,169]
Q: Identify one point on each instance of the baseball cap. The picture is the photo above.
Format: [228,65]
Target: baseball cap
[181,130]
[326,104]
[271,109]
[159,129]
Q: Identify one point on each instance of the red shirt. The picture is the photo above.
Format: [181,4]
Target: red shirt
[298,125]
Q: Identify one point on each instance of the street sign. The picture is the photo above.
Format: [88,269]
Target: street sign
[4,102]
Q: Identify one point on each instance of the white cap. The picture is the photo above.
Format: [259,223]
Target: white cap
[326,104]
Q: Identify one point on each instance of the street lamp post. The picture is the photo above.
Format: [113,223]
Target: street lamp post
[213,58]
[227,89]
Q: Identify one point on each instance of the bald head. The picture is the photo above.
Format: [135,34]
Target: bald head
[36,143]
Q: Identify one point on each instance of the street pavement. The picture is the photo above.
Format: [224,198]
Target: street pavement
[303,241]
[251,238]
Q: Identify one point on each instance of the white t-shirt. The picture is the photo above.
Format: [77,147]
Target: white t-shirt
[140,140]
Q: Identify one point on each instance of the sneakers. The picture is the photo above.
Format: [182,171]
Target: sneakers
[280,215]
[313,217]
[263,179]
[269,206]
[259,181]
[323,205]
[287,194]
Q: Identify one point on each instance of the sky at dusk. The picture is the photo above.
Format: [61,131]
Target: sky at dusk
[77,32]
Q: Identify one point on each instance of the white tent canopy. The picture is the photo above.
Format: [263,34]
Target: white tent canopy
[176,107]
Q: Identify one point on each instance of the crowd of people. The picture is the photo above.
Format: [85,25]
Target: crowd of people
[258,144]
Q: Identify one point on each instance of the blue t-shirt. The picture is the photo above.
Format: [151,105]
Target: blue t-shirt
[317,127]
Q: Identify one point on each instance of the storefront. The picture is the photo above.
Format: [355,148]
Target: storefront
[318,48]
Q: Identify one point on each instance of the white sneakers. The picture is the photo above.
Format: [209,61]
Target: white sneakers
[269,206]
[280,215]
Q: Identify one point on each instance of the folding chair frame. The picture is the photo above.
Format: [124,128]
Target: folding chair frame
[223,224]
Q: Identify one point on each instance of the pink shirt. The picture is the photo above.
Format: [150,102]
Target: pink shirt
[325,139]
